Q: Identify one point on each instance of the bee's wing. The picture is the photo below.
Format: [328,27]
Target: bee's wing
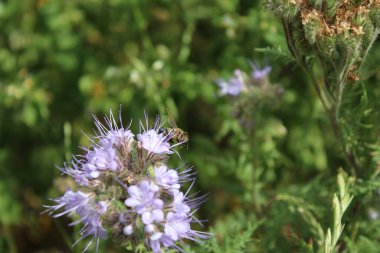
[171,120]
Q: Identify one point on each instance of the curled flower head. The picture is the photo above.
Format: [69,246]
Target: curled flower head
[234,86]
[70,201]
[88,210]
[90,216]
[74,170]
[103,156]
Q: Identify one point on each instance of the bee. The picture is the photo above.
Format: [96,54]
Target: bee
[174,134]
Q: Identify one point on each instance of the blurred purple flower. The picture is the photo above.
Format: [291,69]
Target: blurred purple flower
[259,74]
[234,86]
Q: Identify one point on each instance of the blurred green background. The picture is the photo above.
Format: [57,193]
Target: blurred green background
[63,60]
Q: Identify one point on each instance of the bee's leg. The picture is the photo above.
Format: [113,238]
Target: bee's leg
[167,134]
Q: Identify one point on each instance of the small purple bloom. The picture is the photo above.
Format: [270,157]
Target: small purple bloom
[70,201]
[143,198]
[119,137]
[155,243]
[92,164]
[75,171]
[111,131]
[168,179]
[100,159]
[88,210]
[177,226]
[164,210]
[128,230]
[234,86]
[259,74]
[153,142]
[179,205]
[90,216]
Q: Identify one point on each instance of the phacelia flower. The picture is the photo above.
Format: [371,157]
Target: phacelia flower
[166,215]
[260,73]
[179,205]
[144,199]
[112,131]
[88,210]
[120,137]
[127,189]
[90,216]
[100,159]
[154,142]
[70,201]
[74,169]
[234,86]
[167,179]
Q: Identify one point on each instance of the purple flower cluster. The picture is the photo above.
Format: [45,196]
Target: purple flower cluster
[163,209]
[233,86]
[119,170]
[238,83]
[260,73]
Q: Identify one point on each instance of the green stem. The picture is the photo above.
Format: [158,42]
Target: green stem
[348,154]
[330,109]
[189,28]
[141,24]
[342,79]
[374,37]
[9,238]
[186,40]
[293,49]
[68,241]
[256,205]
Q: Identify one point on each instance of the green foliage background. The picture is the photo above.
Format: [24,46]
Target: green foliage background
[60,61]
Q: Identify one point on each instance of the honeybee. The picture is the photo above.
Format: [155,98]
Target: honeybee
[174,134]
